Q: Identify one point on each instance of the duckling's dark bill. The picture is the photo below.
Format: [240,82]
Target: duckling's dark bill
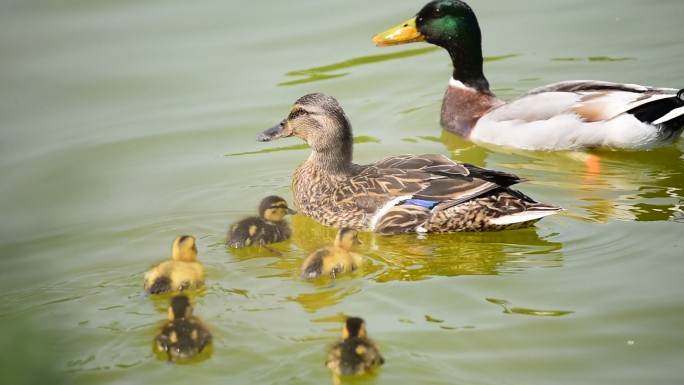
[275,132]
[401,34]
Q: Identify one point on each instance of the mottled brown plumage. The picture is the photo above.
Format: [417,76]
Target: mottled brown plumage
[396,194]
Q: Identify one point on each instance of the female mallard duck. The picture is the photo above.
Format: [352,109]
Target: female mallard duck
[355,353]
[399,193]
[334,259]
[561,116]
[269,227]
[180,273]
[183,336]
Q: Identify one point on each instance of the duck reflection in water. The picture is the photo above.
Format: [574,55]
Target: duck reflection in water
[407,258]
[184,335]
[596,186]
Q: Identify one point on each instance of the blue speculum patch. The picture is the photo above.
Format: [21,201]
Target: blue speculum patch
[420,202]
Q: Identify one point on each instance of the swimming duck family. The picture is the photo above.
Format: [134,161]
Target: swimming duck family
[335,259]
[184,335]
[180,273]
[355,353]
[405,193]
[269,227]
[568,115]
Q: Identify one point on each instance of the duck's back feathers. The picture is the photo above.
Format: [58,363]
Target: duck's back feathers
[585,114]
[428,162]
[597,86]
[416,191]
[501,178]
[428,177]
[500,209]
[599,100]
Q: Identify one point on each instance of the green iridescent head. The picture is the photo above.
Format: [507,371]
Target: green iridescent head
[450,24]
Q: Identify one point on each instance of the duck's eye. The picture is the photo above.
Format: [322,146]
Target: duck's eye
[296,113]
[437,12]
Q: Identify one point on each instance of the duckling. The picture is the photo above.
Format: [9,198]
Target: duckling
[569,115]
[355,353]
[183,336]
[269,227]
[180,273]
[335,259]
[397,194]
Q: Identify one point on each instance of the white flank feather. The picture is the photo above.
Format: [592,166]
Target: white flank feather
[670,115]
[545,121]
[524,216]
[385,208]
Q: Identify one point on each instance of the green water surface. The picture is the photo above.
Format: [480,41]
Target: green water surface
[126,123]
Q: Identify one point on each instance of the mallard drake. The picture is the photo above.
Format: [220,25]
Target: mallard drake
[180,273]
[335,259]
[568,115]
[183,336]
[269,227]
[424,193]
[355,353]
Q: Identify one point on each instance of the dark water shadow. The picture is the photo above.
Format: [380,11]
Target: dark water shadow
[508,309]
[408,257]
[413,257]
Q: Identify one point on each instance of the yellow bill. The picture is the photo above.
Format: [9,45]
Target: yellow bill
[401,34]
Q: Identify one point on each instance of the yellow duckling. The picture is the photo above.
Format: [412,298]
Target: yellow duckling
[355,353]
[180,273]
[334,259]
[183,335]
[269,227]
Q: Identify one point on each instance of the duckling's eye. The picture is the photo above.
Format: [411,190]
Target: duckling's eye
[437,12]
